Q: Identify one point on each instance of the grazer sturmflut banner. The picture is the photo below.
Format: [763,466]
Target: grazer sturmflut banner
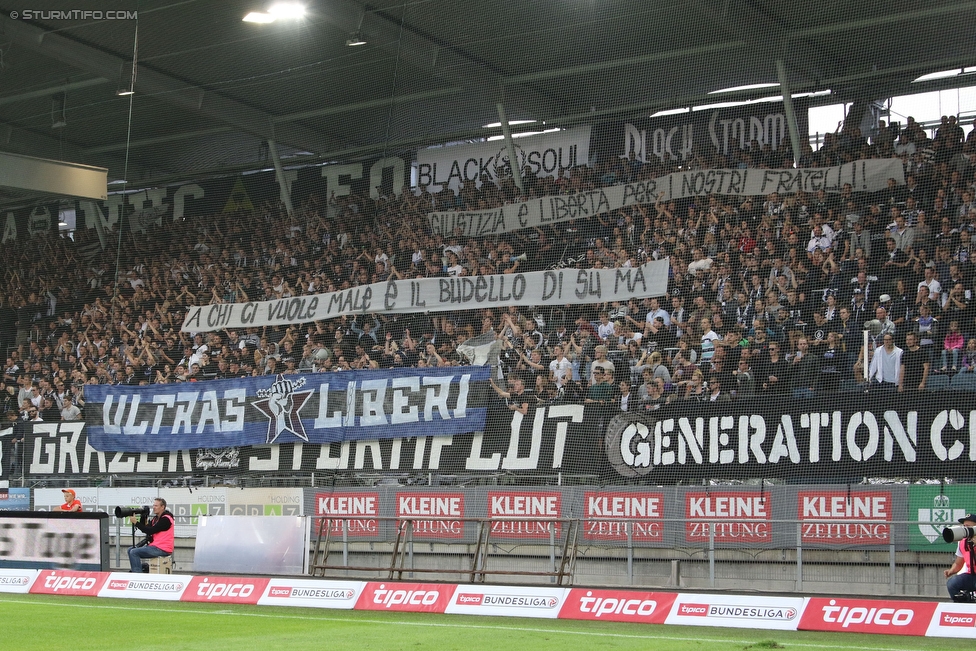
[548,439]
[440,295]
[866,175]
[312,408]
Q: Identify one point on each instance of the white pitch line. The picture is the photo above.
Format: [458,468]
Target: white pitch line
[522,629]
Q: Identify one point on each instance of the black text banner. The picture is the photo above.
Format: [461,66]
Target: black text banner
[441,295]
[867,175]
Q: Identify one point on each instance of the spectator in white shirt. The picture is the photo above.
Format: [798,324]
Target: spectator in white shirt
[819,240]
[886,368]
[605,329]
[933,285]
[560,368]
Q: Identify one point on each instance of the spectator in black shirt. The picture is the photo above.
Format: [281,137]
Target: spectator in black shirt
[915,365]
[804,370]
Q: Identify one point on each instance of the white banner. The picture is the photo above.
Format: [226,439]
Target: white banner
[310,593]
[567,286]
[544,154]
[17,581]
[865,175]
[753,611]
[158,587]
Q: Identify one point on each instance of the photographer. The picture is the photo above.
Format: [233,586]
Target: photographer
[159,532]
[962,584]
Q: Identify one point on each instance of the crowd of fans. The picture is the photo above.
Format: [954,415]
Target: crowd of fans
[766,294]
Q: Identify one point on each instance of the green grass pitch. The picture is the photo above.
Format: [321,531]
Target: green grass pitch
[78,624]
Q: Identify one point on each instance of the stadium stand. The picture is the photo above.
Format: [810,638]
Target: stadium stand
[792,265]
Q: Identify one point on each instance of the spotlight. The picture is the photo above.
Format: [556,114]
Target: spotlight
[258,17]
[280,10]
[287,10]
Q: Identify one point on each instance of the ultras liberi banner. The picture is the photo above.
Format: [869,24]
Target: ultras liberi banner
[866,175]
[535,288]
[313,408]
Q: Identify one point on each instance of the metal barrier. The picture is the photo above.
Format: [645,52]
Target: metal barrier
[472,562]
[810,556]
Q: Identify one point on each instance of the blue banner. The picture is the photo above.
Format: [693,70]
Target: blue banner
[15,499]
[300,408]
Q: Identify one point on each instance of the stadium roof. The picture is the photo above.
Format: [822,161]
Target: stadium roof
[211,89]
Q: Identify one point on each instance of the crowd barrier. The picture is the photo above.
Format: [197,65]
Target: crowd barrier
[836,614]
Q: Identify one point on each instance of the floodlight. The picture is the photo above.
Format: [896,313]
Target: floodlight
[356,39]
[258,17]
[495,125]
[287,10]
[735,89]
[944,74]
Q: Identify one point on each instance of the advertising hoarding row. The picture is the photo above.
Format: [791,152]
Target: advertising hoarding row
[834,614]
[907,516]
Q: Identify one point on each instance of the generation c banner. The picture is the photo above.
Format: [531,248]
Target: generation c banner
[866,175]
[440,295]
[864,435]
[313,408]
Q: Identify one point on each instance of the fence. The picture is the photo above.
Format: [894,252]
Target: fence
[664,554]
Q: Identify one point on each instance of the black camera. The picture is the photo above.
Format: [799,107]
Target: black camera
[128,511]
[958,532]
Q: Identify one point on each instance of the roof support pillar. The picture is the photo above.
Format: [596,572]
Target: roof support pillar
[280,174]
[784,88]
[510,144]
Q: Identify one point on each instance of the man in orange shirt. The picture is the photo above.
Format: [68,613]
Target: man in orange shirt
[71,503]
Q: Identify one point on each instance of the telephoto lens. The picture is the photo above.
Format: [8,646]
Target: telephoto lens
[958,532]
[128,511]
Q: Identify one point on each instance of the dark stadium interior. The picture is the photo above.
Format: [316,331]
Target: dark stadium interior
[211,89]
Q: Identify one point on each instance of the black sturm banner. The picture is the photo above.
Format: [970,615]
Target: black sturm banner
[822,439]
[679,137]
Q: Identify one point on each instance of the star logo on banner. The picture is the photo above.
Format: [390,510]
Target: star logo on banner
[281,404]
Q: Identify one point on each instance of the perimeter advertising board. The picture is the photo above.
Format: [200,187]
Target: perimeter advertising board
[754,611]
[937,507]
[536,602]
[70,541]
[853,615]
